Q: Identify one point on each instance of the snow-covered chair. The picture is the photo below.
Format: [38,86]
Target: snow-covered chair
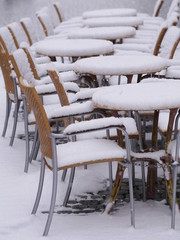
[12,93]
[30,30]
[46,22]
[173,161]
[91,151]
[23,68]
[7,41]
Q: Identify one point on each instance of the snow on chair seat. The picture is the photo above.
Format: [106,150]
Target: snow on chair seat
[87,151]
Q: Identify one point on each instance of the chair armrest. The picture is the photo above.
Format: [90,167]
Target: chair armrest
[127,124]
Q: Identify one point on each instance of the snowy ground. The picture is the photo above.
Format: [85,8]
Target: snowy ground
[18,189]
[18,192]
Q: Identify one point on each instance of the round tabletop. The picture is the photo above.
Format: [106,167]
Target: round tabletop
[121,65]
[113,21]
[73,47]
[107,33]
[140,96]
[115,12]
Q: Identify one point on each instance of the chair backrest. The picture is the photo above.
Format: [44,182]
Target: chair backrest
[41,118]
[45,22]
[162,32]
[7,41]
[157,8]
[58,11]
[60,91]
[29,29]
[157,43]
[59,87]
[6,71]
[22,66]
[174,7]
[170,42]
[18,34]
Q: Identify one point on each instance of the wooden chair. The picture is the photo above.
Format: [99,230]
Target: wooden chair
[56,5]
[157,8]
[7,41]
[29,29]
[12,93]
[45,22]
[51,158]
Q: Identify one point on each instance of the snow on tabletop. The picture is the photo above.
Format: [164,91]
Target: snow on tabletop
[7,38]
[133,46]
[139,96]
[129,124]
[113,21]
[118,12]
[55,111]
[74,47]
[120,65]
[138,40]
[88,150]
[103,33]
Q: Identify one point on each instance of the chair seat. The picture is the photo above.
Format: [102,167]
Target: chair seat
[88,151]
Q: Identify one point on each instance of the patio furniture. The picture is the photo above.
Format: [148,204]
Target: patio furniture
[113,21]
[44,86]
[129,123]
[73,47]
[148,97]
[127,65]
[51,153]
[106,33]
[12,93]
[115,12]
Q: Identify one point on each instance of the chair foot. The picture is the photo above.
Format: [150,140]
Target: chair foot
[68,192]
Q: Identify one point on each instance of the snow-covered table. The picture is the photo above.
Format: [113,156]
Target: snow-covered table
[118,12]
[73,47]
[113,21]
[107,33]
[145,97]
[127,65]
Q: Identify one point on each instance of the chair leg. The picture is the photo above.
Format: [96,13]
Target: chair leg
[40,187]
[17,105]
[53,201]
[175,168]
[143,181]
[34,144]
[110,177]
[131,194]
[68,192]
[8,109]
[36,150]
[64,175]
[26,138]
